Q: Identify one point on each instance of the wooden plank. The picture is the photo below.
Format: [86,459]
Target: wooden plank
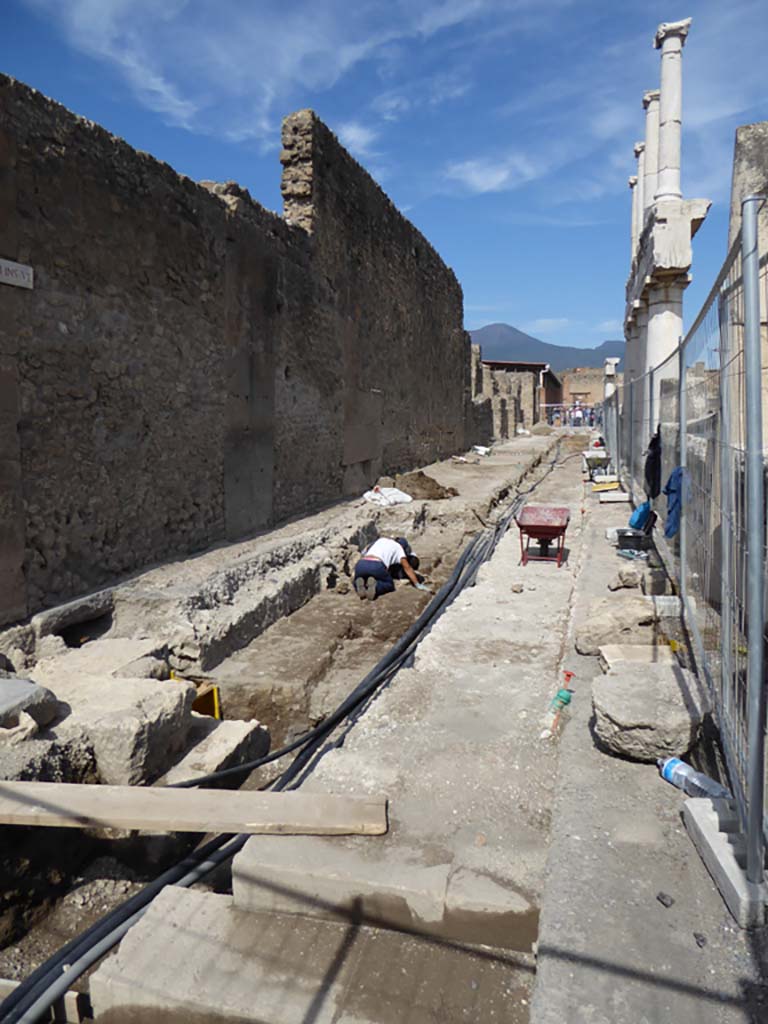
[160,809]
[71,1008]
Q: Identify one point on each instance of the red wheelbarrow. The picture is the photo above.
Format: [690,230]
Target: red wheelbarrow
[545,524]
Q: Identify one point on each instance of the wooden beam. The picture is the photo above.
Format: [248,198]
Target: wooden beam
[160,809]
[71,1008]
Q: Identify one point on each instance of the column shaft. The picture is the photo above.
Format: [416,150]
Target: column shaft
[650,170]
[670,39]
[633,190]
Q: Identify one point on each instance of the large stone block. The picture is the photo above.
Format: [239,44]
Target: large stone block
[136,726]
[649,711]
[309,875]
[219,745]
[22,695]
[624,619]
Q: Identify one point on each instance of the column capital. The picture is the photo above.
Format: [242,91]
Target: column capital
[652,96]
[632,181]
[672,30]
[638,148]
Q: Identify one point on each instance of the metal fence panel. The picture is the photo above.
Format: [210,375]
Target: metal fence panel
[697,399]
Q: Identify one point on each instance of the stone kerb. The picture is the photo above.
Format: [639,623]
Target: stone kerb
[648,711]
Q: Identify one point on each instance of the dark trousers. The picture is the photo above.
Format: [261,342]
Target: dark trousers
[373,567]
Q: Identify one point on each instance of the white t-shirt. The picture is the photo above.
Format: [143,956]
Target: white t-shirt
[389,551]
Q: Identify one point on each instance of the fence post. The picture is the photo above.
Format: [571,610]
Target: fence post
[630,424]
[726,512]
[682,415]
[755,514]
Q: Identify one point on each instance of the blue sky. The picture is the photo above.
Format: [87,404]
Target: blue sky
[502,128]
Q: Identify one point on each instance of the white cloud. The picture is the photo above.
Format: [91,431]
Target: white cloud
[391,106]
[224,68]
[493,175]
[426,91]
[608,326]
[358,138]
[548,324]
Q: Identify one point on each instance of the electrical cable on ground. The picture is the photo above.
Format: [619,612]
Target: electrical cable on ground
[52,979]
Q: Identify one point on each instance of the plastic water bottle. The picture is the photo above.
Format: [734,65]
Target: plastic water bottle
[689,780]
[551,718]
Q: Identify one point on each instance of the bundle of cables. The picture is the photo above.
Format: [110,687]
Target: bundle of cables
[51,980]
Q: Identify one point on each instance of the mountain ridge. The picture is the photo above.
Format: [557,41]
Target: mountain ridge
[504,342]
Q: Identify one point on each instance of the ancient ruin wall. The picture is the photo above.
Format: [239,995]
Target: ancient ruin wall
[400,354]
[190,367]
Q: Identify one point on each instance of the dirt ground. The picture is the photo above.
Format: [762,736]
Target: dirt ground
[290,677]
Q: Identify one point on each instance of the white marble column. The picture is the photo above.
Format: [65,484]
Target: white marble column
[639,151]
[665,328]
[609,377]
[670,39]
[632,182]
[650,170]
[665,320]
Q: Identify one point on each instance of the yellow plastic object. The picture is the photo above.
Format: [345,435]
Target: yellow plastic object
[208,700]
[613,485]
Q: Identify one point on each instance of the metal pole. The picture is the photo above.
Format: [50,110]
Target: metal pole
[682,413]
[630,447]
[755,513]
[651,404]
[727,524]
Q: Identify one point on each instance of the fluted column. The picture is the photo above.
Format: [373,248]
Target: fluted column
[651,166]
[632,182]
[670,39]
[639,151]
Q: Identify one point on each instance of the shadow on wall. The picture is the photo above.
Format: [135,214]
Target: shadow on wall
[189,367]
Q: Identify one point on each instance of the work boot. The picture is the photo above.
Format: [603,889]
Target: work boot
[360,588]
[370,588]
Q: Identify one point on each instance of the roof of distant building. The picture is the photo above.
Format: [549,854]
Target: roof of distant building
[517,365]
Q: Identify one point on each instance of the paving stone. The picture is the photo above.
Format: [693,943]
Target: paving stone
[649,712]
[613,619]
[195,957]
[217,745]
[24,695]
[310,875]
[612,655]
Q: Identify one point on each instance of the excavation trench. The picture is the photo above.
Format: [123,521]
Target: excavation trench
[289,676]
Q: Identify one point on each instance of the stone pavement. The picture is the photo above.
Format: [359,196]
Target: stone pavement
[490,824]
[608,949]
[455,744]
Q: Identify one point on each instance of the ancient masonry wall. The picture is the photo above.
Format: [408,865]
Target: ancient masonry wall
[584,382]
[190,367]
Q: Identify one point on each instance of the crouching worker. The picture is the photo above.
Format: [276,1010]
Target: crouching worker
[381,564]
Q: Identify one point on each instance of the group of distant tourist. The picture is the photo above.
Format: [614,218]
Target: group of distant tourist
[575,416]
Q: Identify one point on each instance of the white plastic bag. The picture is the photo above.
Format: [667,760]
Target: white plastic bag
[387,496]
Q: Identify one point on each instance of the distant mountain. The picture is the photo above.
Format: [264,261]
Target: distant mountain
[500,341]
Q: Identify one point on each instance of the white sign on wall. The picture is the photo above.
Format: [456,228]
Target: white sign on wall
[17,274]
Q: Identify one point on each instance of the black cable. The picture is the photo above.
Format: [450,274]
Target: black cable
[474,554]
[17,1003]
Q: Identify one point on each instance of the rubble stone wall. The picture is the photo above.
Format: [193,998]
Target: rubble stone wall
[586,382]
[190,367]
[525,386]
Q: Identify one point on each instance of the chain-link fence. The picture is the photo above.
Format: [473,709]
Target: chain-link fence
[705,405]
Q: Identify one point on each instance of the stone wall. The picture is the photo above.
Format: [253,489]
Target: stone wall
[190,367]
[584,382]
[496,396]
[749,178]
[525,386]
